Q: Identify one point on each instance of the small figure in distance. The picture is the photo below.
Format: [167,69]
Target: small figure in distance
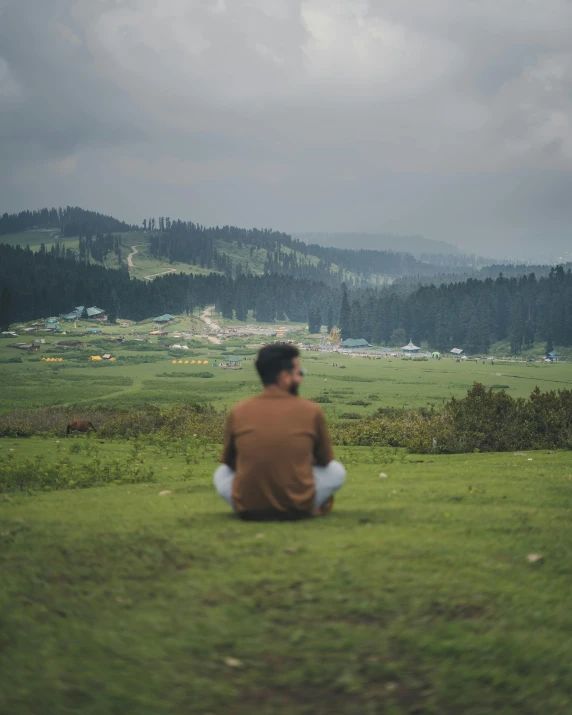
[278,461]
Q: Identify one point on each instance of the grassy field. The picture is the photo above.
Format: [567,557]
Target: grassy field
[414,596]
[34,239]
[145,373]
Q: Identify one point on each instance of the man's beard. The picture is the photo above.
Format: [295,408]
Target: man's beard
[293,389]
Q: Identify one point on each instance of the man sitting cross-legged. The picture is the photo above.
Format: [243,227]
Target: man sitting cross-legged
[277,455]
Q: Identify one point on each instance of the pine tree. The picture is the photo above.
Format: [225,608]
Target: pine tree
[549,346]
[314,320]
[473,341]
[5,306]
[516,328]
[357,329]
[345,315]
[330,318]
[398,337]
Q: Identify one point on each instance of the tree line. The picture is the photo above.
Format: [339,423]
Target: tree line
[188,242]
[468,314]
[71,221]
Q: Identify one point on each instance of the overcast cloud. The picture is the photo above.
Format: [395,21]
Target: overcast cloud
[447,118]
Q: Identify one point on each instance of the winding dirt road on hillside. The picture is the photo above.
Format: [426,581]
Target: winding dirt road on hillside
[134,252]
[131,265]
[210,324]
[152,275]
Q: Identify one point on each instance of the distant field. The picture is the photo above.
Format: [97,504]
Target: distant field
[146,265]
[144,373]
[34,239]
[413,596]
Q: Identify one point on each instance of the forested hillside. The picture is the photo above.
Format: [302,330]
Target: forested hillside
[71,221]
[187,242]
[469,314]
[234,251]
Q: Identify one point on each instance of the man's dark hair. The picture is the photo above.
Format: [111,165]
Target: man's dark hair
[272,359]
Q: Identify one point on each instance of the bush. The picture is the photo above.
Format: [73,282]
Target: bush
[321,399]
[178,421]
[359,403]
[484,421]
[44,475]
[203,374]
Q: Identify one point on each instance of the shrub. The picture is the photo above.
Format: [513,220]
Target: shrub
[483,421]
[203,374]
[44,475]
[177,421]
[359,403]
[350,416]
[321,399]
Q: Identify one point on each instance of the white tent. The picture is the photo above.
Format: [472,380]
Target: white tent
[410,348]
[456,351]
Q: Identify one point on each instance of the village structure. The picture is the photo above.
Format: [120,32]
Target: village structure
[163,328]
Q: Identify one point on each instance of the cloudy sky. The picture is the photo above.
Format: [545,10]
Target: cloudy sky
[446,118]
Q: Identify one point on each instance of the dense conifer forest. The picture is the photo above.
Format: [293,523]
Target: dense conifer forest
[470,314]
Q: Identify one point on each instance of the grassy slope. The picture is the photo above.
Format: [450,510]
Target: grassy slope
[34,239]
[414,595]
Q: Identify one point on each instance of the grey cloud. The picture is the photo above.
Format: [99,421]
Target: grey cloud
[449,118]
[60,103]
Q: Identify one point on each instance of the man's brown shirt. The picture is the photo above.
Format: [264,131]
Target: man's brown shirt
[273,441]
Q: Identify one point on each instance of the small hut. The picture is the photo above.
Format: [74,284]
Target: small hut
[351,343]
[411,349]
[95,313]
[233,363]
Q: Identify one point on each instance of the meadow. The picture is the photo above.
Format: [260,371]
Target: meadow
[144,373]
[417,594]
[439,584]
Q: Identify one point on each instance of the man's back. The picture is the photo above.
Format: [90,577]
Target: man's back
[273,441]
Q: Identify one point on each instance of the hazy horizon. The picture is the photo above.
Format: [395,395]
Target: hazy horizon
[450,120]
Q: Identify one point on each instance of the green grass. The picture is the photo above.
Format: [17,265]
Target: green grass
[414,595]
[146,265]
[34,239]
[138,376]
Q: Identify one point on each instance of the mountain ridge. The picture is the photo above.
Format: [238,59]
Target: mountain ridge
[416,245]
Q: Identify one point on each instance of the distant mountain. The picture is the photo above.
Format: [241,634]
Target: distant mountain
[356,258]
[234,251]
[416,245]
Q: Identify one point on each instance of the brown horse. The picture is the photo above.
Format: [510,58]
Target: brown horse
[79,426]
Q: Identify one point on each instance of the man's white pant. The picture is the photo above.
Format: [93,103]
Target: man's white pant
[327,479]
